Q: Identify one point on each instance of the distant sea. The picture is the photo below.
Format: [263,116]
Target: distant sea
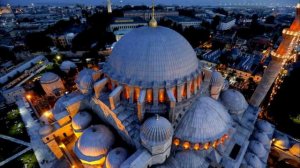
[148,2]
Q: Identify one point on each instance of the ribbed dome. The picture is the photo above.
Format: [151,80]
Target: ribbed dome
[253,160]
[262,138]
[189,159]
[150,55]
[95,141]
[67,65]
[85,82]
[264,126]
[217,79]
[206,121]
[234,101]
[49,77]
[169,163]
[156,130]
[60,103]
[257,148]
[45,130]
[81,121]
[295,149]
[82,73]
[116,157]
[226,85]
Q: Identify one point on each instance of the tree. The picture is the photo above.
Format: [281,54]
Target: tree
[38,42]
[215,22]
[270,20]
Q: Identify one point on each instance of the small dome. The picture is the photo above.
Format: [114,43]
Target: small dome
[295,149]
[94,142]
[146,55]
[66,66]
[253,160]
[60,103]
[234,101]
[206,121]
[86,84]
[49,77]
[189,159]
[217,79]
[45,130]
[116,157]
[82,73]
[81,121]
[282,141]
[156,131]
[262,138]
[264,126]
[257,148]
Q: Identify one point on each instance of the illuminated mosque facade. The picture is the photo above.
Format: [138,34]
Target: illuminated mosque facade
[153,104]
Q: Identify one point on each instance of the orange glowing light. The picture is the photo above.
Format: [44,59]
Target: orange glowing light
[149,95]
[176,142]
[186,145]
[28,96]
[197,146]
[215,144]
[206,145]
[161,97]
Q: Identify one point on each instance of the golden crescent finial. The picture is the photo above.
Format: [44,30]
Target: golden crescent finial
[153,22]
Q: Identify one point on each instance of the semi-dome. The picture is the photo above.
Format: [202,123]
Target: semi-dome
[234,101]
[116,157]
[45,130]
[190,159]
[264,126]
[60,103]
[66,66]
[94,143]
[81,121]
[262,138]
[253,160]
[217,79]
[156,131]
[282,141]
[149,55]
[49,77]
[257,148]
[295,149]
[206,121]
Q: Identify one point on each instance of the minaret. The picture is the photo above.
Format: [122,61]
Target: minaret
[290,38]
[153,22]
[109,9]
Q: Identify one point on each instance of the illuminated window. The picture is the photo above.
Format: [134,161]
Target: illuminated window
[136,94]
[161,95]
[184,90]
[206,146]
[196,146]
[176,142]
[126,92]
[192,87]
[186,145]
[149,96]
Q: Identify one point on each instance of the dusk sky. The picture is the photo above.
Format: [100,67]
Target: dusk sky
[147,2]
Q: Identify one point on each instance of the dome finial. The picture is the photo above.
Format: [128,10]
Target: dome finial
[153,22]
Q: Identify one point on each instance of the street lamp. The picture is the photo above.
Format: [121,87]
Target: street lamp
[58,57]
[28,96]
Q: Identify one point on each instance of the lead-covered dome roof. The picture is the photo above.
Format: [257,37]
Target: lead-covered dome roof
[156,130]
[94,143]
[149,55]
[81,121]
[49,77]
[206,121]
[234,101]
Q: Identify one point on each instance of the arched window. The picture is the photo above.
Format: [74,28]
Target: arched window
[161,95]
[149,96]
[136,94]
[126,92]
[184,90]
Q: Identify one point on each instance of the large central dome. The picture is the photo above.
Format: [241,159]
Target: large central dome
[150,56]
